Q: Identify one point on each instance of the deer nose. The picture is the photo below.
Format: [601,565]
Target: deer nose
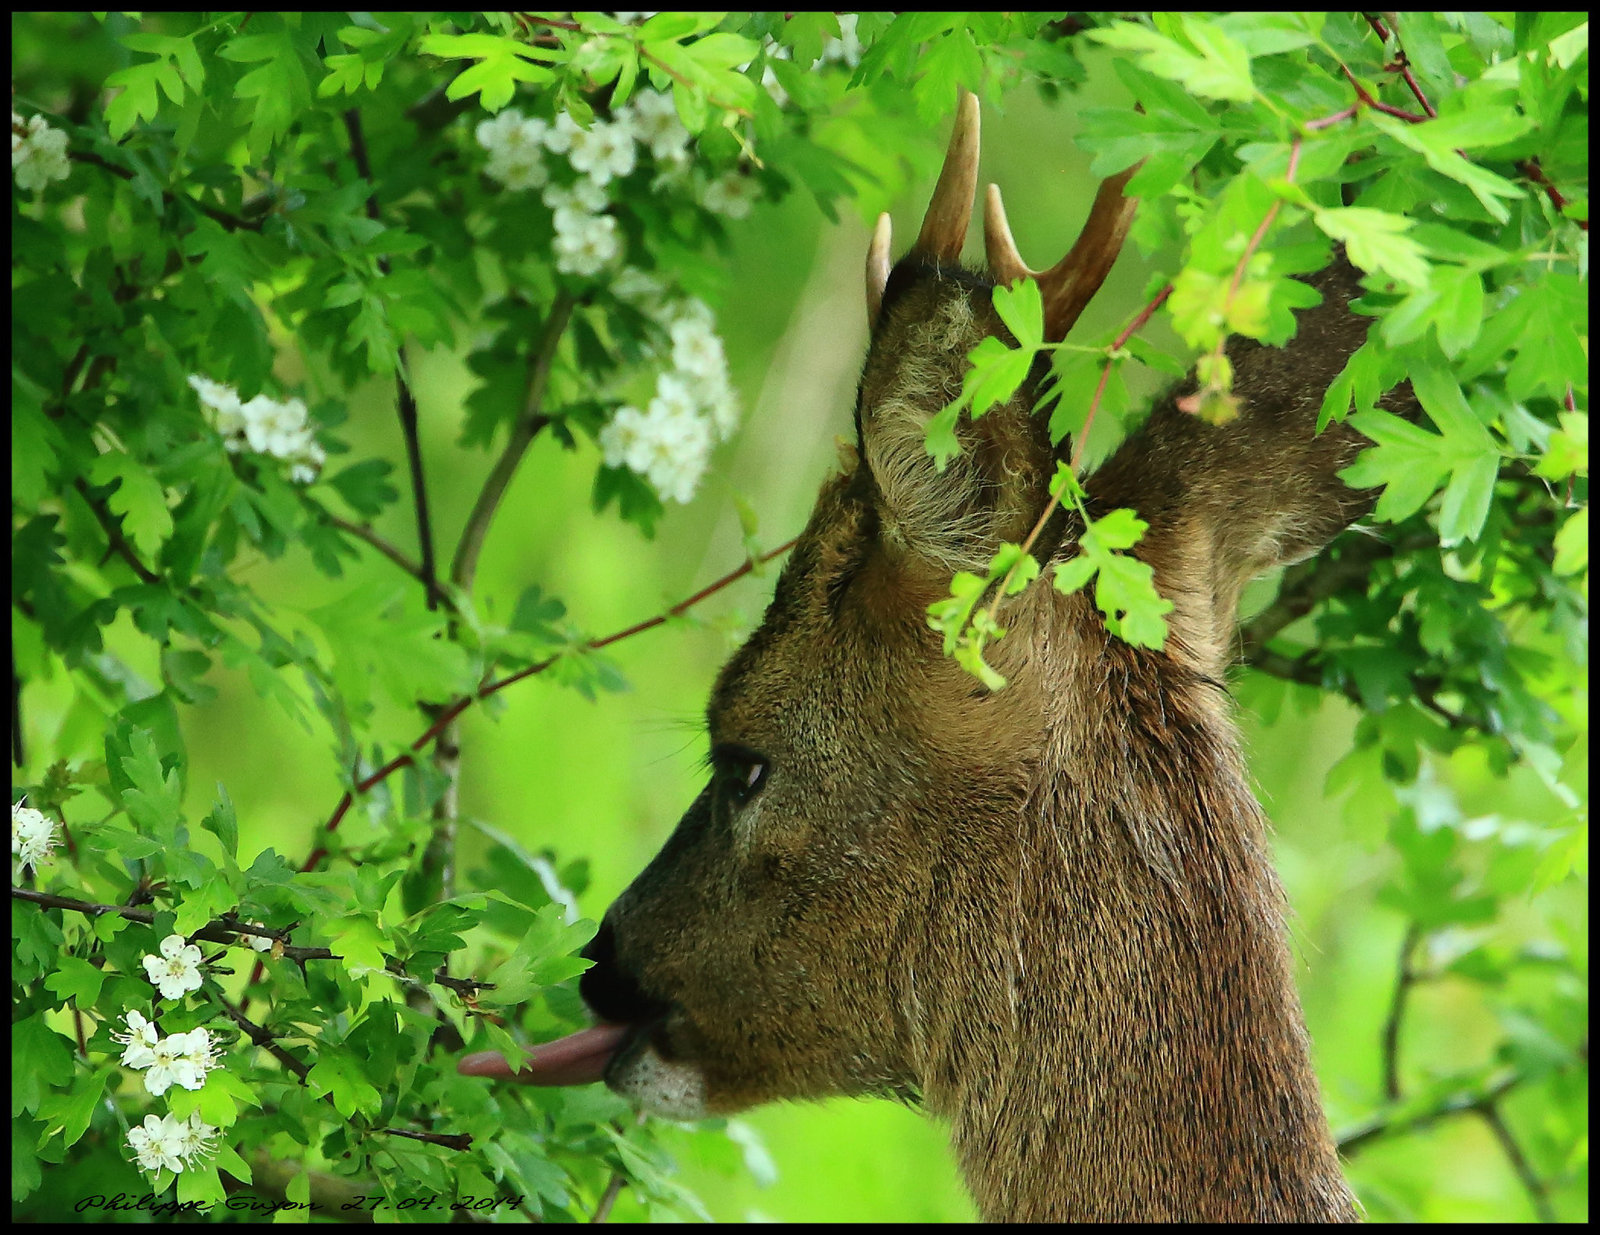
[611,992]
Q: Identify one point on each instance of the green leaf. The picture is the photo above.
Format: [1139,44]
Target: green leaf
[1376,241]
[1572,544]
[996,373]
[338,1074]
[76,979]
[1460,314]
[365,486]
[138,498]
[1218,68]
[1021,308]
[278,85]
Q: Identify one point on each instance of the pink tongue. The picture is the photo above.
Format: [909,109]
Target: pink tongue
[576,1059]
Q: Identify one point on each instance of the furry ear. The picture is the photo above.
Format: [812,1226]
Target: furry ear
[995,488]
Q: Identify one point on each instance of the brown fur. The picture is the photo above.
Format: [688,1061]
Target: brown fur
[1047,913]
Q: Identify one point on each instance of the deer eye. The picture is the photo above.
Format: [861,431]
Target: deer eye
[740,773]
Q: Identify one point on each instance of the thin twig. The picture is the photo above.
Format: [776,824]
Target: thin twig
[1531,169]
[455,709]
[1402,63]
[449,1140]
[364,533]
[602,1211]
[1538,1190]
[1366,96]
[264,1038]
[230,222]
[405,399]
[1128,331]
[229,930]
[113,531]
[1384,1126]
[465,564]
[1404,980]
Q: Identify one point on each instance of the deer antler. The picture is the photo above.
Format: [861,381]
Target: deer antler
[1069,285]
[878,266]
[944,227]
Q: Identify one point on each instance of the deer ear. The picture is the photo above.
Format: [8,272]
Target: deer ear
[954,511]
[927,314]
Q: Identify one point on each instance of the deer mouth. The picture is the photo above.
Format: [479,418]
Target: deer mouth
[577,1059]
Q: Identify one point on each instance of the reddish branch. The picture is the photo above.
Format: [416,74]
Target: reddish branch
[455,709]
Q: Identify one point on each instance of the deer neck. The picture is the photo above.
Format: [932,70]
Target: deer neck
[1124,1041]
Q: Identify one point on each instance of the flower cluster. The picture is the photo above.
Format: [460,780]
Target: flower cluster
[279,428]
[33,835]
[177,970]
[169,1142]
[587,239]
[669,442]
[177,1059]
[38,153]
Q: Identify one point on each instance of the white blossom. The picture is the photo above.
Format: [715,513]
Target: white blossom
[653,118]
[846,49]
[196,1138]
[622,440]
[515,146]
[38,153]
[696,348]
[33,835]
[274,427]
[280,428]
[558,137]
[181,1059]
[677,447]
[603,151]
[583,196]
[731,195]
[139,1041]
[158,1143]
[585,244]
[177,970]
[722,404]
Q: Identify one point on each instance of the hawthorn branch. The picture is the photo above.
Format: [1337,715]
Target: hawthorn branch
[1401,64]
[266,1040]
[405,399]
[461,705]
[1531,169]
[229,930]
[118,543]
[1538,1190]
[449,1140]
[230,222]
[465,564]
[1390,1124]
[1404,981]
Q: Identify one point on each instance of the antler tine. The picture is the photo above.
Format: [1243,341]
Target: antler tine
[1069,285]
[944,227]
[1005,263]
[878,266]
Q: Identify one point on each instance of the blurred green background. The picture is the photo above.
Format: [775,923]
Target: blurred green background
[608,779]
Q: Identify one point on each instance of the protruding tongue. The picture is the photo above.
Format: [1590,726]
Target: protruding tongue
[576,1059]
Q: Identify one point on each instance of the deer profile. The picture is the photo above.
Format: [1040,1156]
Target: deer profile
[1047,913]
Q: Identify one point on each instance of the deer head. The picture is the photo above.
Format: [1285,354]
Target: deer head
[1047,913]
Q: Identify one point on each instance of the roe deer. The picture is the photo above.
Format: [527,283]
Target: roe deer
[1047,914]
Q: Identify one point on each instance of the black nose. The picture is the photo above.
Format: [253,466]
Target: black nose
[609,989]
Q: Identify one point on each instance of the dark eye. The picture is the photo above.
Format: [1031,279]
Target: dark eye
[740,773]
